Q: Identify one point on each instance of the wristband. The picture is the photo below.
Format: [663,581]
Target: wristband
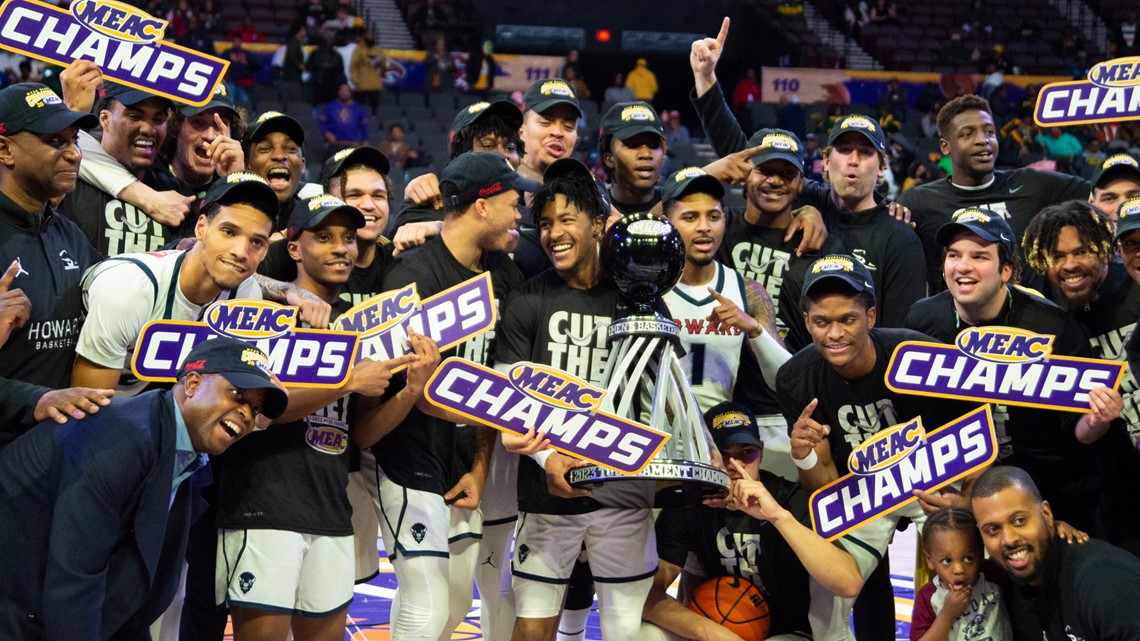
[540,457]
[807,462]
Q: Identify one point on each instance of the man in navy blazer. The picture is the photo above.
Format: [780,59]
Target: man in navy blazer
[94,514]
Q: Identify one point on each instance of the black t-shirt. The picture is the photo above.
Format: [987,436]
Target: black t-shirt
[53,255]
[114,226]
[1041,441]
[890,250]
[363,283]
[761,254]
[1015,194]
[165,180]
[546,321]
[731,543]
[425,453]
[291,477]
[636,208]
[856,409]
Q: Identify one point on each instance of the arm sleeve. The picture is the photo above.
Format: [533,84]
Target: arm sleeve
[720,125]
[114,320]
[94,491]
[904,284]
[100,169]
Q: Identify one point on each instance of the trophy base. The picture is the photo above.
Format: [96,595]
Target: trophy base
[678,482]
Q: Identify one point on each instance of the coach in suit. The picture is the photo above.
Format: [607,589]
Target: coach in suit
[94,514]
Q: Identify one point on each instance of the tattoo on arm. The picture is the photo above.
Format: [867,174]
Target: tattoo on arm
[760,307]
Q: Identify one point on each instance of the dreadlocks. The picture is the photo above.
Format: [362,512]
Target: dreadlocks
[1040,236]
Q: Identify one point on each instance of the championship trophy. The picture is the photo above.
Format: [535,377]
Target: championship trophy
[644,379]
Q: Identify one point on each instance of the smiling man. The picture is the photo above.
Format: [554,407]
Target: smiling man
[1115,181]
[1059,591]
[274,149]
[105,503]
[134,128]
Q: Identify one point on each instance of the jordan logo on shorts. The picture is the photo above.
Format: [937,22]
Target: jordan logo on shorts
[419,531]
[245,582]
[524,552]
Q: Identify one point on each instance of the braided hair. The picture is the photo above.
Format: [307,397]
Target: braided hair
[1041,234]
[951,520]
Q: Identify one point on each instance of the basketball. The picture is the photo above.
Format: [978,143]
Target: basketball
[734,603]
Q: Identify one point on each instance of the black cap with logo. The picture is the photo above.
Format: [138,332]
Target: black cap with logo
[482,174]
[1128,216]
[984,223]
[311,212]
[839,267]
[544,94]
[732,424]
[367,156]
[1116,165]
[690,180]
[470,115]
[625,120]
[777,144]
[243,187]
[240,363]
[859,124]
[30,106]
[270,122]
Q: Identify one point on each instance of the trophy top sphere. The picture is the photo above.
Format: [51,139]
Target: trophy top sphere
[644,254]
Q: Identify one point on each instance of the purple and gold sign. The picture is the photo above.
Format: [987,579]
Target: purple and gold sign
[300,357]
[1000,365]
[552,401]
[1110,94]
[449,318]
[123,40]
[892,463]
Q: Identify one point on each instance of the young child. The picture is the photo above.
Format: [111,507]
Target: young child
[959,603]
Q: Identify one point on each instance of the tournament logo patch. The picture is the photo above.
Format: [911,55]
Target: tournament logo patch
[1000,365]
[556,88]
[419,532]
[637,112]
[1130,207]
[326,439]
[37,98]
[689,172]
[783,142]
[246,581]
[267,116]
[1110,93]
[255,358]
[971,216]
[325,200]
[859,122]
[477,107]
[1119,159]
[343,153]
[245,176]
[729,420]
[832,264]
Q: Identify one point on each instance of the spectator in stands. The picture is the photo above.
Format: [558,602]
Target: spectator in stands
[571,63]
[747,90]
[570,75]
[196,37]
[929,123]
[855,16]
[179,19]
[480,69]
[675,131]
[813,158]
[1060,143]
[210,17]
[240,74]
[400,154]
[954,53]
[342,26]
[293,62]
[429,23]
[366,70]
[884,12]
[1090,160]
[439,68]
[246,30]
[617,92]
[343,122]
[314,13]
[642,81]
[326,71]
[895,99]
[1124,43]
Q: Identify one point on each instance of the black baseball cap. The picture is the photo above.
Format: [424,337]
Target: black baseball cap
[985,223]
[310,212]
[690,180]
[468,116]
[573,168]
[732,424]
[839,267]
[272,121]
[36,108]
[1128,216]
[625,120]
[244,187]
[242,364]
[482,174]
[777,144]
[544,94]
[1117,164]
[368,156]
[860,124]
[129,96]
[221,98]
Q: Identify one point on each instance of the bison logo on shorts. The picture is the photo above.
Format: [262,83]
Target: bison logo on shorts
[245,582]
[419,531]
[524,552]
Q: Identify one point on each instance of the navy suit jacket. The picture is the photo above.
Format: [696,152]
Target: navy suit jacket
[91,546]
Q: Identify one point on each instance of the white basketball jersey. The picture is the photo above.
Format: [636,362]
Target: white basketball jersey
[713,356]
